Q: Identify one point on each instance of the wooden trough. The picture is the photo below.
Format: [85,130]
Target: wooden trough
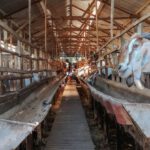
[25,125]
[128,108]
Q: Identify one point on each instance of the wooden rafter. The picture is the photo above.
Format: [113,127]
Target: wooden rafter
[20,9]
[90,18]
[123,32]
[86,12]
[143,7]
[121,9]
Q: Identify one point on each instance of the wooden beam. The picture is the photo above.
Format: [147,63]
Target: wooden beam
[107,3]
[78,29]
[99,29]
[14,77]
[77,41]
[94,36]
[90,18]
[45,24]
[29,20]
[86,12]
[112,17]
[70,21]
[20,9]
[136,15]
[6,69]
[76,45]
[83,26]
[79,37]
[84,23]
[119,27]
[123,32]
[96,21]
[143,7]
[10,30]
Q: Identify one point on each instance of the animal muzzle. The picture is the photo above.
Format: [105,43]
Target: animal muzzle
[122,67]
[130,81]
[119,67]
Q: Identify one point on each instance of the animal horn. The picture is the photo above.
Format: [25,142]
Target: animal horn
[139,84]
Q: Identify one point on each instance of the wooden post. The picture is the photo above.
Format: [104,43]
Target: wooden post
[101,67]
[29,142]
[21,51]
[106,67]
[140,28]
[46,56]
[5,39]
[29,30]
[112,17]
[123,32]
[70,20]
[45,13]
[53,38]
[96,23]
[38,55]
[1,73]
[29,17]
[56,50]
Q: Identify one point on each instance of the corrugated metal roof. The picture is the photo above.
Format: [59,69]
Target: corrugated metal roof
[73,14]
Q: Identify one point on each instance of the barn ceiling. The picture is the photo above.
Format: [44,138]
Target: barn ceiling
[72,23]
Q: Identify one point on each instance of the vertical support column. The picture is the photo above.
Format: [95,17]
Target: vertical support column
[45,23]
[96,24]
[53,39]
[21,61]
[29,30]
[56,50]
[140,28]
[101,67]
[11,43]
[46,52]
[38,56]
[5,39]
[6,62]
[1,73]
[29,17]
[112,17]
[89,48]
[19,51]
[70,21]
[106,67]
[29,142]
[85,50]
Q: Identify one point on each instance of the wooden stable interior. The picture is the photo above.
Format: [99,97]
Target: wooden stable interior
[34,34]
[40,30]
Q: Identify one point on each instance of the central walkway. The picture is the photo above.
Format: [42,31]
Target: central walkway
[70,129]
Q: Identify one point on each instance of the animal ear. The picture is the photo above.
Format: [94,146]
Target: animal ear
[137,36]
[140,38]
[126,46]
